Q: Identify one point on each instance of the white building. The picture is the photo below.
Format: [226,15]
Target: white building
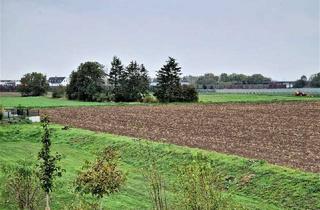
[56,81]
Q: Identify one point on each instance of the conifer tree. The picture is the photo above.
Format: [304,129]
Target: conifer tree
[115,73]
[168,77]
[133,83]
[144,80]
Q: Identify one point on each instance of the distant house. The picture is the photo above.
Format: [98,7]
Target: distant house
[153,84]
[11,83]
[286,84]
[56,81]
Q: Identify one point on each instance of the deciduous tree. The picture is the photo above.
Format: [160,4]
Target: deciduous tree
[87,82]
[48,168]
[33,84]
[315,80]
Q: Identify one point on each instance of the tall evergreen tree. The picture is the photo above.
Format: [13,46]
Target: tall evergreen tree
[168,77]
[144,80]
[133,83]
[115,73]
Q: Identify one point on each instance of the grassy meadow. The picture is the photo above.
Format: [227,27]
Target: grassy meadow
[271,187]
[250,98]
[10,101]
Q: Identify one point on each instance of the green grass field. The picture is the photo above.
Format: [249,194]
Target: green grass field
[43,101]
[253,98]
[272,187]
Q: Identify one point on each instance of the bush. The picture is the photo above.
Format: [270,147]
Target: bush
[58,92]
[154,180]
[150,99]
[102,177]
[199,186]
[21,188]
[188,93]
[103,97]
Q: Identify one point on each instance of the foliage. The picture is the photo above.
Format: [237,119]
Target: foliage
[115,74]
[104,97]
[21,188]
[33,84]
[301,83]
[148,98]
[81,203]
[133,83]
[168,86]
[101,177]
[154,180]
[86,82]
[48,168]
[207,80]
[199,186]
[188,93]
[315,80]
[210,81]
[258,79]
[58,92]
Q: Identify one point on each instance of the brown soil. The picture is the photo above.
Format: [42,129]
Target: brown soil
[285,134]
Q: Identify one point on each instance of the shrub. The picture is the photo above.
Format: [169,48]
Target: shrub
[21,188]
[58,92]
[188,93]
[199,186]
[101,177]
[150,99]
[155,182]
[103,97]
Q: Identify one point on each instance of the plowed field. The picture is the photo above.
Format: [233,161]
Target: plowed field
[281,133]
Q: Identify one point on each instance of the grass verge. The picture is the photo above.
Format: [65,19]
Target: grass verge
[252,183]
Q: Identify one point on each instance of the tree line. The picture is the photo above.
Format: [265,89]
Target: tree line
[131,83]
[313,81]
[210,80]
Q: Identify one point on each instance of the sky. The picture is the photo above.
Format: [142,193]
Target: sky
[278,38]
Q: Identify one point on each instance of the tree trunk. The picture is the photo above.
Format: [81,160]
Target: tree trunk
[47,202]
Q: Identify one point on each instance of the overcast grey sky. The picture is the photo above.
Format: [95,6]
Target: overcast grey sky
[278,38]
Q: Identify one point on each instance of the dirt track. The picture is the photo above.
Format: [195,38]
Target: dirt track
[285,134]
